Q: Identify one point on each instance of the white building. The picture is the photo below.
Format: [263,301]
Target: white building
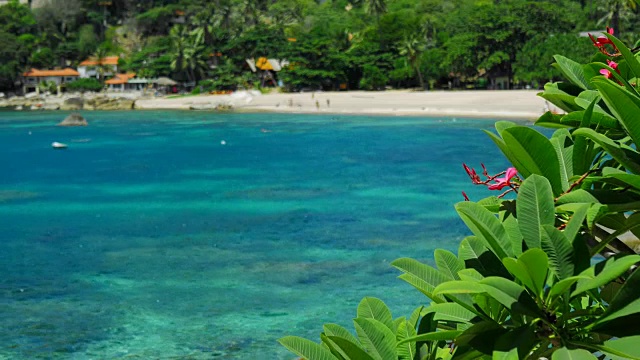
[90,68]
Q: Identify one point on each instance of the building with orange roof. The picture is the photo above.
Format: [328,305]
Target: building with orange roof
[126,82]
[60,77]
[91,66]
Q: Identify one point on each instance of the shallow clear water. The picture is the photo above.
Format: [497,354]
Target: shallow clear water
[148,238]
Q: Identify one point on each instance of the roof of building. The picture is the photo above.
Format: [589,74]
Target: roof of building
[266,64]
[45,73]
[120,79]
[108,60]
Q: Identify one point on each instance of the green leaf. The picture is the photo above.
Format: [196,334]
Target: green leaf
[622,155]
[559,97]
[477,256]
[486,227]
[628,56]
[534,208]
[306,348]
[512,228]
[407,350]
[448,263]
[451,312]
[625,303]
[624,105]
[575,223]
[612,269]
[565,155]
[373,308]
[535,153]
[518,341]
[575,354]
[377,339]
[577,196]
[581,163]
[559,250]
[337,330]
[631,224]
[551,120]
[562,286]
[350,349]
[434,336]
[531,269]
[421,276]
[626,345]
[572,71]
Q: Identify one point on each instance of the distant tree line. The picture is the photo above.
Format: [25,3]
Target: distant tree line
[359,44]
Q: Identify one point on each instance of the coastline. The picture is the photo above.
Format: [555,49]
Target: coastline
[511,104]
[522,105]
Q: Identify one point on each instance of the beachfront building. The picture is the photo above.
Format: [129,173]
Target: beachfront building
[92,67]
[267,69]
[127,82]
[34,77]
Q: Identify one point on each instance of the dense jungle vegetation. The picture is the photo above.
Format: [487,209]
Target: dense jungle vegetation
[362,44]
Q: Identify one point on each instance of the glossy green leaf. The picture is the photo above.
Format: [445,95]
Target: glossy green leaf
[612,269]
[406,350]
[551,120]
[575,222]
[350,349]
[626,345]
[421,276]
[560,98]
[434,336]
[628,56]
[560,252]
[632,223]
[572,71]
[577,196]
[373,308]
[564,285]
[451,312]
[565,159]
[512,228]
[448,263]
[337,330]
[376,338]
[485,226]
[535,153]
[306,348]
[625,303]
[624,105]
[623,156]
[476,255]
[531,269]
[575,354]
[535,208]
[581,162]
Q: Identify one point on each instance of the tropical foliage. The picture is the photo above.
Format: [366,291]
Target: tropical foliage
[329,44]
[550,268]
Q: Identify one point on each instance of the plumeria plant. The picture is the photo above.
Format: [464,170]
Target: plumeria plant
[547,272]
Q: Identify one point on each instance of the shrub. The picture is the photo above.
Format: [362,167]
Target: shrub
[88,84]
[543,275]
[373,78]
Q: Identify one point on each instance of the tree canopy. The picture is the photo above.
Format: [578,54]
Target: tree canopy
[329,44]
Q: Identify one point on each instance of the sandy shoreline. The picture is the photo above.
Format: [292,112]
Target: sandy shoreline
[512,104]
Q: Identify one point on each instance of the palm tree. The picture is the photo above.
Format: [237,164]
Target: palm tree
[179,38]
[101,68]
[375,7]
[615,9]
[413,47]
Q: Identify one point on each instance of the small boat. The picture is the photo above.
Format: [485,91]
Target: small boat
[57,145]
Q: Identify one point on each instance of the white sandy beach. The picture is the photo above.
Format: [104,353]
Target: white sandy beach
[516,104]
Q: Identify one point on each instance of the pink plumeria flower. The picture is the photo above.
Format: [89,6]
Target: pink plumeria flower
[607,73]
[501,183]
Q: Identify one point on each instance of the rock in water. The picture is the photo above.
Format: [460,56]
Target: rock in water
[74,119]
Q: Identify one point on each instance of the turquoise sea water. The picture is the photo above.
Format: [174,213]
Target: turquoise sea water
[149,239]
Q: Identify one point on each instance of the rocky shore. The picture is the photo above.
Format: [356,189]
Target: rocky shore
[69,102]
